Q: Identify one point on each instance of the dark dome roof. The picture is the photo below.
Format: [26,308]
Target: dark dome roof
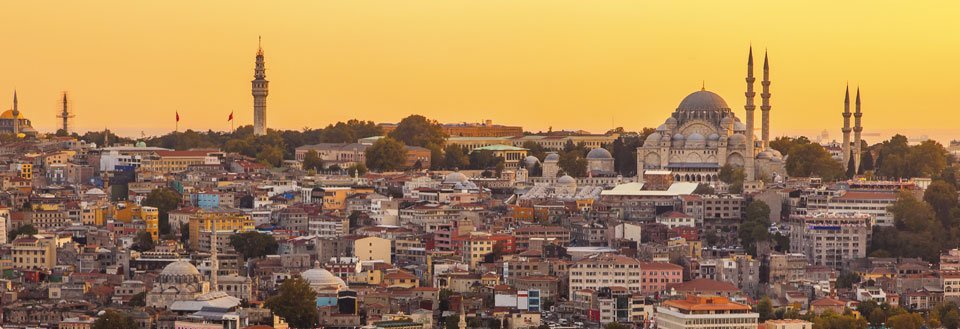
[703,100]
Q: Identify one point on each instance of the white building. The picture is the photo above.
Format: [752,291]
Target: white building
[705,312]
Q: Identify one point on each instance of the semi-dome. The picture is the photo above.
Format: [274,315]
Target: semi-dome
[552,157]
[703,100]
[599,153]
[739,126]
[765,155]
[737,140]
[713,137]
[696,140]
[180,268]
[455,177]
[323,279]
[670,122]
[678,140]
[652,139]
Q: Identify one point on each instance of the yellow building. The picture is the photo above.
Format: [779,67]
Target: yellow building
[200,225]
[128,212]
[474,248]
[34,252]
[372,248]
[25,170]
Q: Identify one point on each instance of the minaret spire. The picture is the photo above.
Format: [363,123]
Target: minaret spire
[765,105]
[65,114]
[463,317]
[750,107]
[16,115]
[846,128]
[260,89]
[857,129]
[214,262]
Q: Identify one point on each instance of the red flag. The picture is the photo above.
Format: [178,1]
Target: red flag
[178,116]
[231,117]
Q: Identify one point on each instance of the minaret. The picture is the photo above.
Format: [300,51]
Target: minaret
[260,90]
[214,263]
[749,107]
[16,116]
[856,134]
[846,129]
[463,317]
[65,114]
[765,105]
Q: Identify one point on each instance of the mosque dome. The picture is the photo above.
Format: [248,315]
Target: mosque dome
[8,114]
[566,180]
[765,155]
[455,177]
[652,139]
[678,140]
[671,122]
[141,144]
[713,137]
[530,161]
[703,100]
[321,278]
[552,157]
[696,140]
[179,268]
[726,122]
[95,191]
[599,153]
[662,127]
[739,126]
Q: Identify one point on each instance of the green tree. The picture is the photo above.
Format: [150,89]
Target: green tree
[905,321]
[270,155]
[296,302]
[143,241]
[455,157]
[733,176]
[785,145]
[573,162]
[27,229]
[139,300]
[765,309]
[254,244]
[704,189]
[942,196]
[811,159]
[165,200]
[535,149]
[846,280]
[482,160]
[386,154]
[757,211]
[417,130]
[112,319]
[312,161]
[357,170]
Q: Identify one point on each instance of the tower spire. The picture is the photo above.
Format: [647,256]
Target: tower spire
[65,114]
[857,129]
[260,89]
[16,115]
[846,128]
[750,107]
[765,104]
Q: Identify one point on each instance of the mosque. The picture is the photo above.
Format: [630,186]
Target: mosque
[13,122]
[703,134]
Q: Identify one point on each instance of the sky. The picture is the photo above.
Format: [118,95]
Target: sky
[541,64]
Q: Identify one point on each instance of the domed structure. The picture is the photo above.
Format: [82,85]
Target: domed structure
[13,120]
[322,280]
[179,281]
[179,268]
[530,161]
[737,140]
[551,165]
[696,140]
[678,140]
[703,100]
[599,153]
[566,180]
[652,139]
[552,157]
[455,177]
[95,192]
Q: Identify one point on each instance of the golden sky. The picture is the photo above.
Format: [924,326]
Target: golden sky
[573,64]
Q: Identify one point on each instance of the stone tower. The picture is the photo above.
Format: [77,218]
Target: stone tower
[16,115]
[214,262]
[260,90]
[845,159]
[856,134]
[749,168]
[65,114]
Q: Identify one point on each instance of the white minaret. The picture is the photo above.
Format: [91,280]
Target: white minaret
[214,263]
[856,135]
[260,90]
[765,104]
[16,116]
[463,317]
[749,107]
[846,129]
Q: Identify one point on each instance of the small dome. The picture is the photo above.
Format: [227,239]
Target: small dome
[726,122]
[180,268]
[765,155]
[652,139]
[95,191]
[8,114]
[455,177]
[737,140]
[671,121]
[566,180]
[662,127]
[530,161]
[696,140]
[552,157]
[739,126]
[713,137]
[703,100]
[599,153]
[678,137]
[321,278]
[141,144]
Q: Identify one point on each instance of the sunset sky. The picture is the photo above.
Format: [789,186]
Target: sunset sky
[129,65]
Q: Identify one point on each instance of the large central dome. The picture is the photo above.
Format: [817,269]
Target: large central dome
[703,100]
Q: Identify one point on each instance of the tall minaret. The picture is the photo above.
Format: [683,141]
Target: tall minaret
[846,128]
[749,107]
[463,317]
[765,105]
[856,135]
[65,114]
[260,90]
[214,263]
[16,116]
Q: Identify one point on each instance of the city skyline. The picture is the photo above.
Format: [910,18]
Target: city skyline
[332,62]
